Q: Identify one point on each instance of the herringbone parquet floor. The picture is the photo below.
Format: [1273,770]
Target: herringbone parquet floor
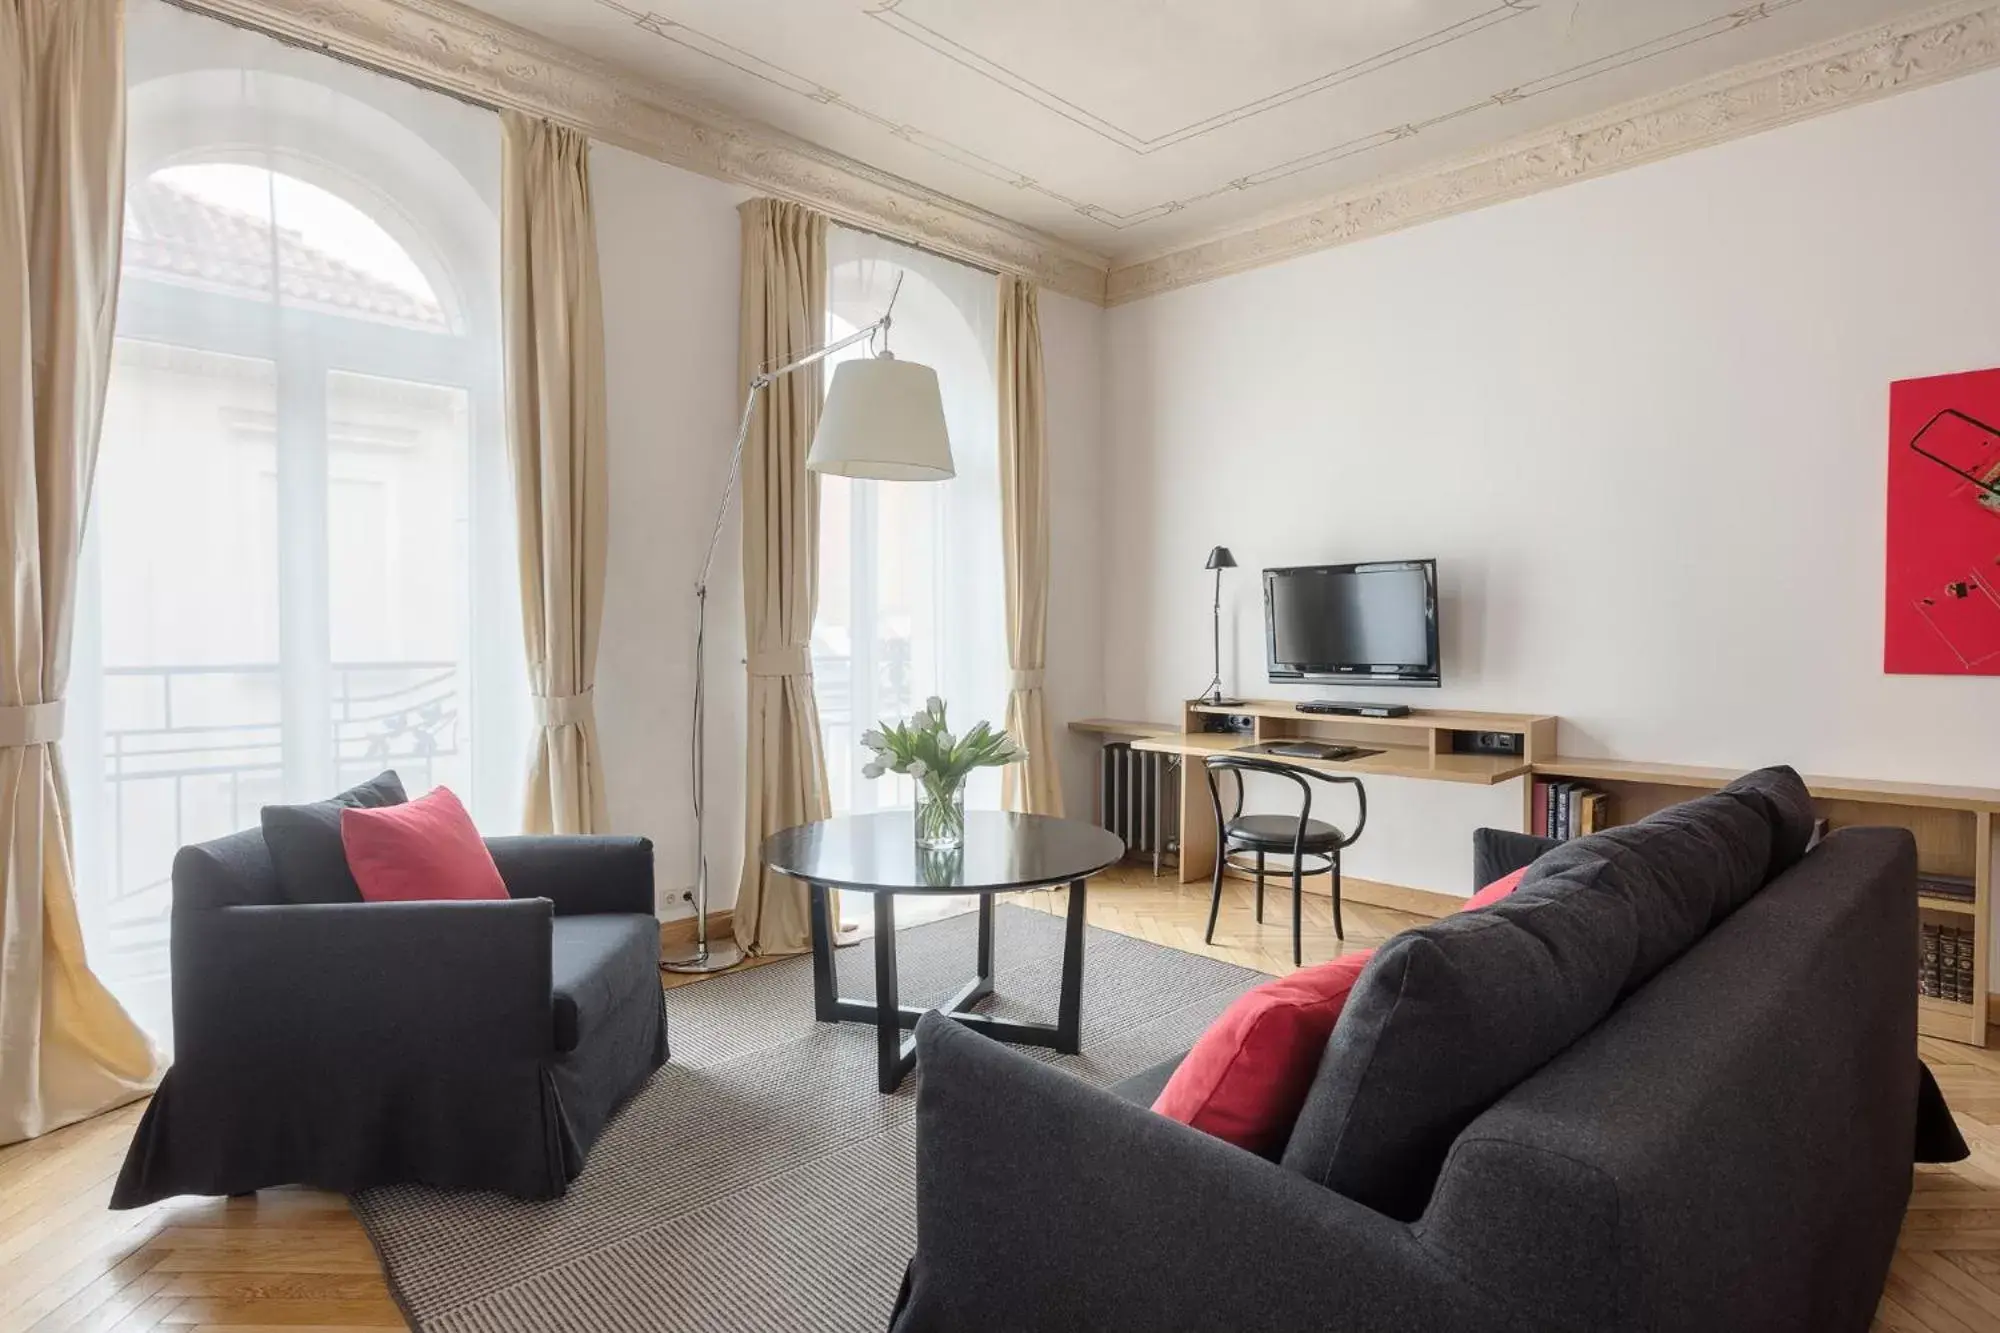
[297,1260]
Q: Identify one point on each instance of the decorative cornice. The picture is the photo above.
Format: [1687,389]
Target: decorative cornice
[463,51]
[1924,48]
[483,59]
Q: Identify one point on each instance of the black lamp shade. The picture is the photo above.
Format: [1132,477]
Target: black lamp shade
[1220,558]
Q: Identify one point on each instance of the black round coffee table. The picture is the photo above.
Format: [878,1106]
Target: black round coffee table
[878,854]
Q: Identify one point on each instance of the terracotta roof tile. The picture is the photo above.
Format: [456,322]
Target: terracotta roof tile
[174,236]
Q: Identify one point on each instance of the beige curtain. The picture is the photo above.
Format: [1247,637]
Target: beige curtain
[67,1050]
[1033,786]
[784,316]
[552,309]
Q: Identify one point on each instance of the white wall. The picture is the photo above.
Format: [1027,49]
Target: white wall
[1640,421]
[668,249]
[668,254]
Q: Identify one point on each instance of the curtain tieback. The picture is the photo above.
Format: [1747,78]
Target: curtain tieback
[1026,680]
[31,724]
[793,661]
[565,710]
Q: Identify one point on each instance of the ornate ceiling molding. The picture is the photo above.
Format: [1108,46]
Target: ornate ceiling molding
[1925,48]
[462,51]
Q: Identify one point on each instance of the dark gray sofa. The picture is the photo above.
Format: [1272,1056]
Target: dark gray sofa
[1727,1147]
[343,1045]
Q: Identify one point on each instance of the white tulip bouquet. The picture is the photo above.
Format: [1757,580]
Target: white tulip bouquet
[924,749]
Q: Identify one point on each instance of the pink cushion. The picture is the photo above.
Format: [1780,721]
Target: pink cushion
[1247,1077]
[1495,891]
[424,850]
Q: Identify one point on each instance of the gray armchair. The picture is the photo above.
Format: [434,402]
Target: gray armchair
[482,1045]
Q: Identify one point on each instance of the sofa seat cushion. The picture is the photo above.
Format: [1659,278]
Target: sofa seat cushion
[598,963]
[1247,1076]
[1452,1015]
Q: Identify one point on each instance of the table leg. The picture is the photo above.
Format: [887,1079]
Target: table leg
[891,1059]
[986,937]
[1069,1010]
[826,982]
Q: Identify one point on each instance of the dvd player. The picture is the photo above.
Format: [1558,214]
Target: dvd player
[1355,710]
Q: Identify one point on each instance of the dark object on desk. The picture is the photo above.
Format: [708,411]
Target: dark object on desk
[1569,1192]
[1333,708]
[878,854]
[1219,559]
[1263,835]
[1228,724]
[1310,750]
[1487,742]
[471,1045]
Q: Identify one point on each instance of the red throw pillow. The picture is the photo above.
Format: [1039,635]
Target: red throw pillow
[1247,1077]
[423,850]
[1495,891]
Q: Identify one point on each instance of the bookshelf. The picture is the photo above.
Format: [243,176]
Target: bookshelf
[1953,828]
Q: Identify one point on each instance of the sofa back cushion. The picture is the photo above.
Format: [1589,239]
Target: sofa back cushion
[305,846]
[1451,1015]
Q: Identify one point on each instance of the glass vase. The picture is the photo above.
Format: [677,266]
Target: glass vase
[940,816]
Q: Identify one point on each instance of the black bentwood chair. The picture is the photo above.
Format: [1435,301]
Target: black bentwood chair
[1264,835]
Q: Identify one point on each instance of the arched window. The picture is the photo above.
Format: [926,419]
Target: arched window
[299,565]
[912,599]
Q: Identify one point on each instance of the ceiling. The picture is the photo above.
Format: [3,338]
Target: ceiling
[1135,127]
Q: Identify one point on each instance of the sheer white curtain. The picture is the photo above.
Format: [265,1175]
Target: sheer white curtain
[299,569]
[912,600]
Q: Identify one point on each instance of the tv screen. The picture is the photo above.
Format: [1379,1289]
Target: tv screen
[1372,623]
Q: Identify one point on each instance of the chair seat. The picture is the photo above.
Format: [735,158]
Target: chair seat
[1279,833]
[598,963]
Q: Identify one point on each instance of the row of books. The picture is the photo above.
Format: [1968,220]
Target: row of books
[1944,968]
[1569,809]
[1958,888]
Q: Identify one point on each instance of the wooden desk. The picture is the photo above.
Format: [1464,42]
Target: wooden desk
[1955,827]
[1423,745]
[1396,761]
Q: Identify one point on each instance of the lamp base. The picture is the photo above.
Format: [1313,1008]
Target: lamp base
[716,956]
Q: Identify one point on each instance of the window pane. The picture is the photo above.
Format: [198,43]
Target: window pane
[299,568]
[398,574]
[912,598]
[255,234]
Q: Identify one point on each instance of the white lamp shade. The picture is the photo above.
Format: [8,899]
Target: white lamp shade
[883,421]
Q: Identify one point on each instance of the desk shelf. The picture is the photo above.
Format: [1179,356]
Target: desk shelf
[1953,827]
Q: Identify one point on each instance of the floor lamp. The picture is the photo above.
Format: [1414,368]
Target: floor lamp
[883,421]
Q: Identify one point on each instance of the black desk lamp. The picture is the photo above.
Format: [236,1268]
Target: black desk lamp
[1219,559]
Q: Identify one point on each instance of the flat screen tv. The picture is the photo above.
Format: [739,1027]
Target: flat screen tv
[1373,624]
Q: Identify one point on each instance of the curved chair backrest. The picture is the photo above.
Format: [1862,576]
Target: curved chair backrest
[1237,765]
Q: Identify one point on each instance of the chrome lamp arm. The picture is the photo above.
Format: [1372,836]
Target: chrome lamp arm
[705,957]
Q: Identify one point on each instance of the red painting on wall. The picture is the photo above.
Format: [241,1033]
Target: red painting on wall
[1943,613]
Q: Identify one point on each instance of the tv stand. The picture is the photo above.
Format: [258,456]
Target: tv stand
[1334,707]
